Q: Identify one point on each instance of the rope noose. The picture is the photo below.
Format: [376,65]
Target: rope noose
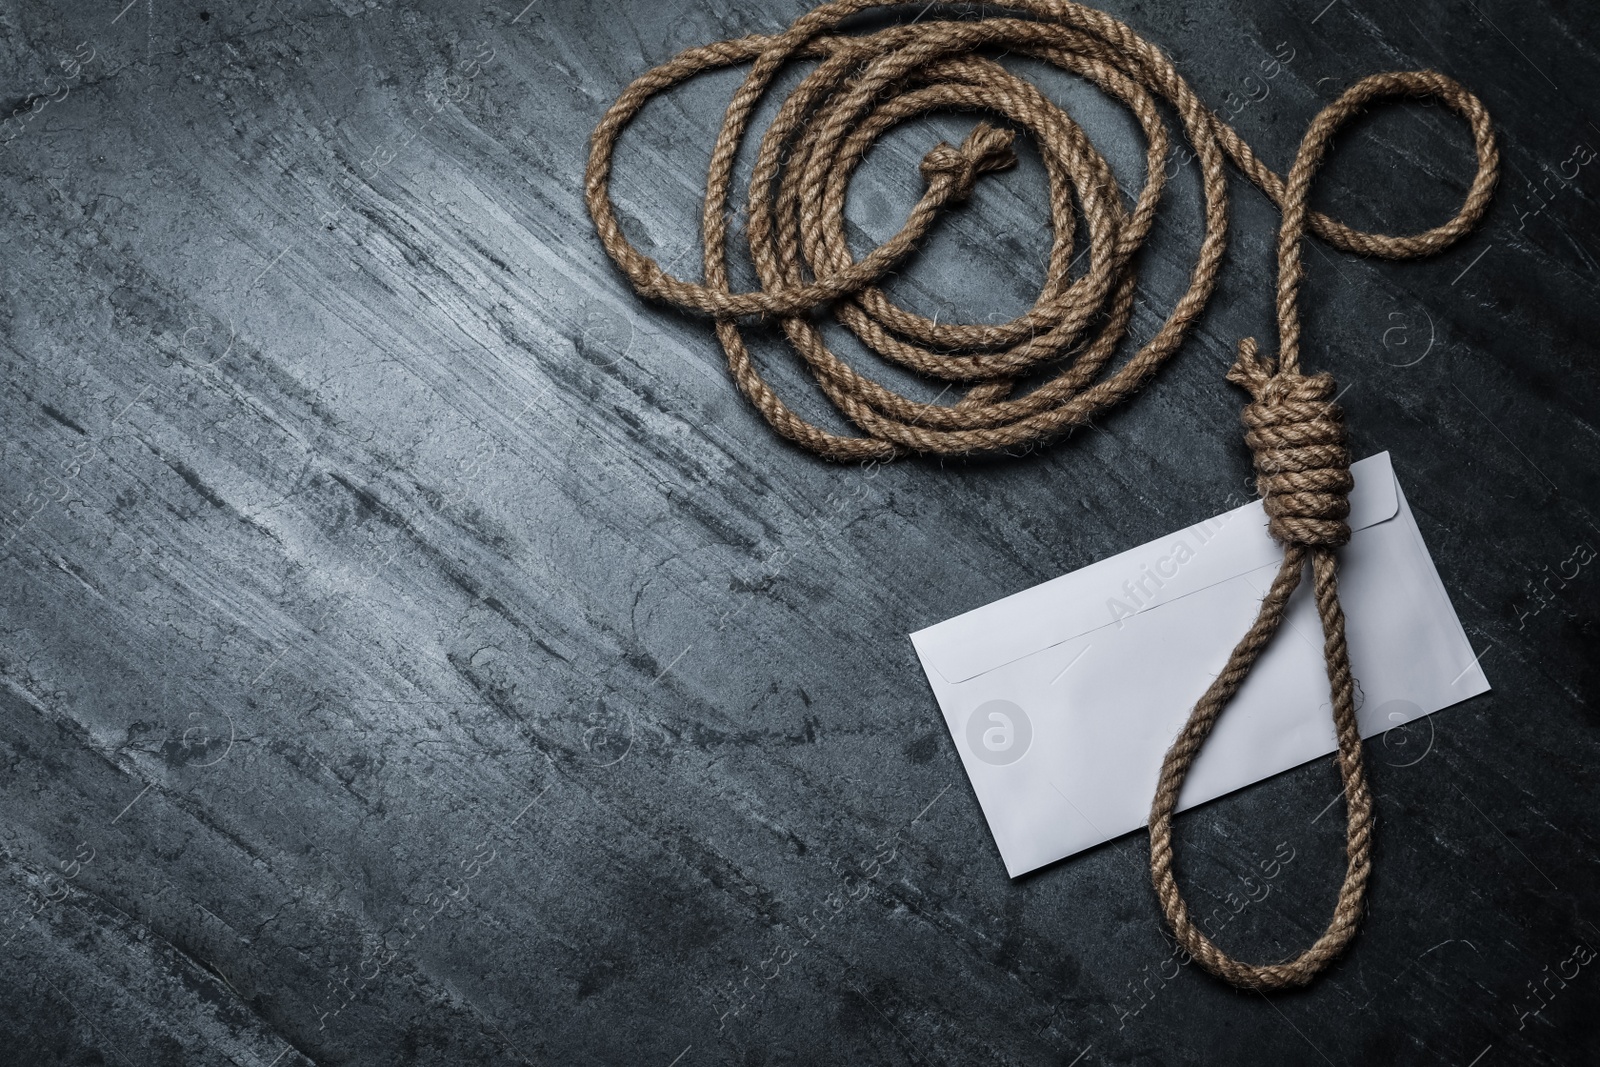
[862,86]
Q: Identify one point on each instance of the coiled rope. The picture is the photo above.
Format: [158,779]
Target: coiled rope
[864,85]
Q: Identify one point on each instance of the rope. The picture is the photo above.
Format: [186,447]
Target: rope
[864,85]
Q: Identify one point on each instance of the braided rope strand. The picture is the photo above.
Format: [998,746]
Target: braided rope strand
[865,84]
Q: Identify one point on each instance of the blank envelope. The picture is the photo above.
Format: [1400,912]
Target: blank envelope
[1063,698]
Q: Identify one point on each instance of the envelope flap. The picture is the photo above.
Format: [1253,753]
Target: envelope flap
[1140,579]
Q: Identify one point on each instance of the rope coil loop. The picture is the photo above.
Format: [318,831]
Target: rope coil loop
[862,86]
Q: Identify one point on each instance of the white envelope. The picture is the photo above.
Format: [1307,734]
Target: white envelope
[1063,698]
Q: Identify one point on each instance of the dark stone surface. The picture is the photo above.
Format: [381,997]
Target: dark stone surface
[415,651]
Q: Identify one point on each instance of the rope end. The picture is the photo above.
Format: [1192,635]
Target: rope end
[1249,369]
[986,148]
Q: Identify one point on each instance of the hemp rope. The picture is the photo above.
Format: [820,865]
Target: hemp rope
[864,85]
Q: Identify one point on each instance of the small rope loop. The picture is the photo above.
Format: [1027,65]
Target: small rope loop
[985,149]
[1297,441]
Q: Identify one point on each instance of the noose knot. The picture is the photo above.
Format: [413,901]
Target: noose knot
[985,149]
[1296,436]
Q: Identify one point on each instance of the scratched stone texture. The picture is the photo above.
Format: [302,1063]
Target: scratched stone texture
[415,651]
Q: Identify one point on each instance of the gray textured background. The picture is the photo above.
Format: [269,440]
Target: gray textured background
[415,651]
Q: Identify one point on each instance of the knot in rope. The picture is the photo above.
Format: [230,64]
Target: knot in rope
[985,149]
[1297,441]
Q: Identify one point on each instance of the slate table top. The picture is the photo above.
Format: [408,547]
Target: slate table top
[415,651]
